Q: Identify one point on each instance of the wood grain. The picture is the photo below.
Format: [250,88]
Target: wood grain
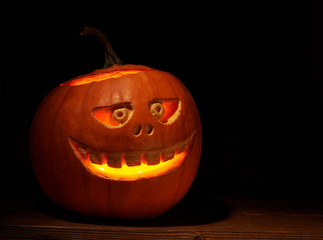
[245,219]
[29,214]
[47,232]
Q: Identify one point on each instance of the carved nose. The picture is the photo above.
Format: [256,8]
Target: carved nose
[148,129]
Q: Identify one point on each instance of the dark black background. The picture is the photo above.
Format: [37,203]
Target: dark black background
[254,69]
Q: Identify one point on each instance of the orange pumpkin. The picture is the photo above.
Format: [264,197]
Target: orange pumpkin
[121,142]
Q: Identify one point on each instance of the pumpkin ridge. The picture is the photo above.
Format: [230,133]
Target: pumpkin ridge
[58,192]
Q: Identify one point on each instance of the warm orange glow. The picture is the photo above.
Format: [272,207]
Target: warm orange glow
[170,108]
[104,115]
[100,77]
[135,172]
[113,116]
[120,166]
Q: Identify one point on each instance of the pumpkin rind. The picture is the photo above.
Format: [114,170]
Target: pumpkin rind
[66,113]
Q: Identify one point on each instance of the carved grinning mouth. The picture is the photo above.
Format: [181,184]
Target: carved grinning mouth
[129,166]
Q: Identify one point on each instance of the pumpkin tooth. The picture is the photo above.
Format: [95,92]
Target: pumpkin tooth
[82,151]
[96,157]
[152,157]
[181,147]
[114,160]
[168,154]
[133,159]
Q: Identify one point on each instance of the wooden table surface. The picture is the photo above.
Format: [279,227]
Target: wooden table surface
[28,214]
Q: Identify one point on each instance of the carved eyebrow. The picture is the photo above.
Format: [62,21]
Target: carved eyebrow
[101,77]
[155,100]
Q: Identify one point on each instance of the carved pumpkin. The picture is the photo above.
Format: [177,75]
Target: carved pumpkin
[121,142]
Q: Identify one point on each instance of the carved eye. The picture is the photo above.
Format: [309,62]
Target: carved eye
[165,111]
[113,116]
[157,110]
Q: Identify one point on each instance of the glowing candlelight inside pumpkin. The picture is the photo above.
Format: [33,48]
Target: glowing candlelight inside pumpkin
[135,172]
[127,172]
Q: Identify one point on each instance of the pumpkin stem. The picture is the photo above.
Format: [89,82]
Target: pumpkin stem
[110,55]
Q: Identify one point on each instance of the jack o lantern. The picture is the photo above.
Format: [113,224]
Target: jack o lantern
[121,142]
